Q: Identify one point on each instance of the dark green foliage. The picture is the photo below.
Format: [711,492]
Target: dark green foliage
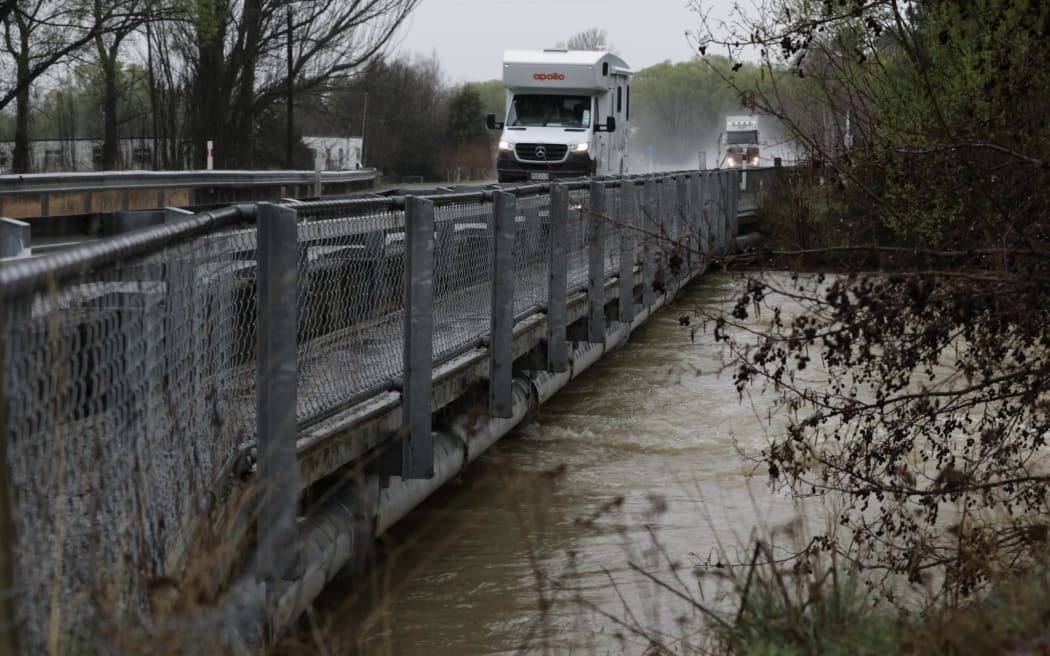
[917,395]
[466,118]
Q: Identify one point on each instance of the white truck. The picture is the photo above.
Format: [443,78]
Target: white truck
[740,141]
[568,115]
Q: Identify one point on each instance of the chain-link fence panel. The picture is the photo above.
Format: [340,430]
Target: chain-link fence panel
[666,208]
[531,245]
[668,192]
[579,220]
[614,219]
[463,275]
[127,390]
[351,303]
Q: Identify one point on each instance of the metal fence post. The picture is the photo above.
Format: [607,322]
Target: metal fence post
[417,448]
[501,342]
[702,224]
[657,219]
[725,181]
[16,237]
[681,225]
[596,266]
[734,204]
[557,280]
[717,215]
[628,218]
[279,479]
[318,163]
[692,222]
[649,235]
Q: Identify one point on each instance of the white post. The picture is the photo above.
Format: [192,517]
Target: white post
[210,160]
[319,161]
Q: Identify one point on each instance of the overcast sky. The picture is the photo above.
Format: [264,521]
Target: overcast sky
[469,36]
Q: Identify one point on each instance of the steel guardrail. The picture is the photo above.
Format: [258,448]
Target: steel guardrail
[38,183]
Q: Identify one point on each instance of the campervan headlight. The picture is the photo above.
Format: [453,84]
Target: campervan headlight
[504,145]
[580,148]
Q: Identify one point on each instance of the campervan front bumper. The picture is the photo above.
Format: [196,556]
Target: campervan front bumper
[510,169]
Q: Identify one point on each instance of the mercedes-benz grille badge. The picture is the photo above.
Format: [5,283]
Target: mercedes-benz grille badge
[541,152]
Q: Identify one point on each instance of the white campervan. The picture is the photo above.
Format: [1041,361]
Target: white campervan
[568,114]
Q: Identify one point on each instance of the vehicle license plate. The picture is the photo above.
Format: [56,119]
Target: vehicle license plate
[539,176]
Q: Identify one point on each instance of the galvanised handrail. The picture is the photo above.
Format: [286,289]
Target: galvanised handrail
[27,276]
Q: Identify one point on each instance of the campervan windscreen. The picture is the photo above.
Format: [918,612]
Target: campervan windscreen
[744,137]
[534,110]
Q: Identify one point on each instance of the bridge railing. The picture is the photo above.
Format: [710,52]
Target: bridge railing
[120,406]
[141,373]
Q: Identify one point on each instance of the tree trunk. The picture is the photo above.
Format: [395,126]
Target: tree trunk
[21,156]
[245,65]
[110,95]
[210,97]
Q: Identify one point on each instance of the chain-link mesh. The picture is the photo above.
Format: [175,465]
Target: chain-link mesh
[463,275]
[531,245]
[351,298]
[129,389]
[126,392]
[614,219]
[579,220]
[668,194]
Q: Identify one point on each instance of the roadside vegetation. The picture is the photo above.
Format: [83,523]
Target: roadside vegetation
[915,382]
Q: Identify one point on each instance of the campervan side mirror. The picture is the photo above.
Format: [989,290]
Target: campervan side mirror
[610,125]
[490,122]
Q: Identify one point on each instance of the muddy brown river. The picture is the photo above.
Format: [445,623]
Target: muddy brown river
[583,532]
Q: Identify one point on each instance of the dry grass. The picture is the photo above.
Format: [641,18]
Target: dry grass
[28,206]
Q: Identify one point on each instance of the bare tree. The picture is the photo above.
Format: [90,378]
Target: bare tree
[37,35]
[169,78]
[240,62]
[590,39]
[114,28]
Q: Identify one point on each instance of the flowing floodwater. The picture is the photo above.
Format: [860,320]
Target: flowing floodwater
[545,543]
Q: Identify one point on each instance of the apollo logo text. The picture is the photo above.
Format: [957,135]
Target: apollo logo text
[548,76]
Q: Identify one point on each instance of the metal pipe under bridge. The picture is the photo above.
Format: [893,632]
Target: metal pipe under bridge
[234,404]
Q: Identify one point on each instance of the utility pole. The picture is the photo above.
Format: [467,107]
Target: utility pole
[288,157]
[364,122]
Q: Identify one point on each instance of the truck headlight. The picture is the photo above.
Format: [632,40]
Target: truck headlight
[505,146]
[580,148]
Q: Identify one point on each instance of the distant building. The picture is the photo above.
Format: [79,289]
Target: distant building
[57,155]
[339,153]
[52,155]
